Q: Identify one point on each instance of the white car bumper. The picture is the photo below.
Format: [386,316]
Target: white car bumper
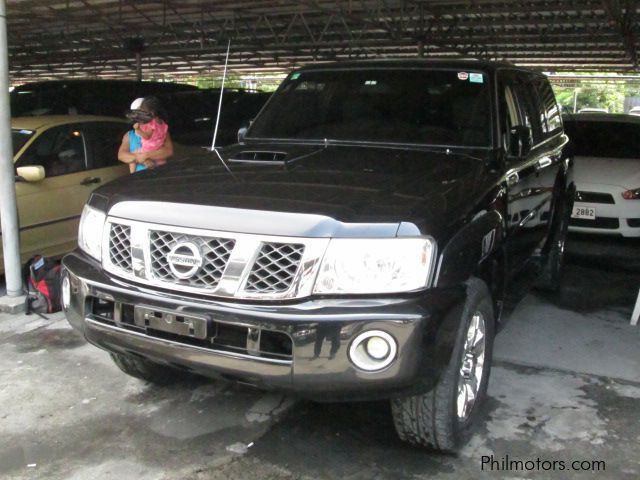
[613,214]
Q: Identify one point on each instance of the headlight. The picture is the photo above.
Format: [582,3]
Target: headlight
[90,232]
[384,265]
[631,194]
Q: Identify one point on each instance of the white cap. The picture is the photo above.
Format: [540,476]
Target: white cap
[135,105]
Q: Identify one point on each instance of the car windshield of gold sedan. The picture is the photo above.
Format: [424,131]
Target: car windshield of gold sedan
[19,138]
[416,106]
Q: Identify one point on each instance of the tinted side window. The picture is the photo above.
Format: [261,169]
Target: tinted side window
[552,112]
[533,111]
[60,150]
[105,139]
[604,139]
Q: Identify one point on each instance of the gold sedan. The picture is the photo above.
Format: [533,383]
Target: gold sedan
[59,160]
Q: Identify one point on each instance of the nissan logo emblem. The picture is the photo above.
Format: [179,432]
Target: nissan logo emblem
[184,260]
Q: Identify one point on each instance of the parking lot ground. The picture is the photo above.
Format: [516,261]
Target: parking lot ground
[565,388]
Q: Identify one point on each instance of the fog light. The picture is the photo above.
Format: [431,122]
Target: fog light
[373,350]
[66,292]
[378,348]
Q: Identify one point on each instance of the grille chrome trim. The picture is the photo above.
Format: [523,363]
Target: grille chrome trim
[274,268]
[120,254]
[239,265]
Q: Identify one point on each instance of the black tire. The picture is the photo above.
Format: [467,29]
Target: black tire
[431,420]
[552,264]
[147,370]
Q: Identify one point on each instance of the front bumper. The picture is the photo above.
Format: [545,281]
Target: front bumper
[318,333]
[616,216]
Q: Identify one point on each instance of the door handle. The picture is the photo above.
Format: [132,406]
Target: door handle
[513,178]
[90,180]
[544,162]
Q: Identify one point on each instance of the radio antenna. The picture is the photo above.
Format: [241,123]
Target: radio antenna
[224,76]
[215,130]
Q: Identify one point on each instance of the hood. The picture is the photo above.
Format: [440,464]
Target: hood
[620,172]
[350,184]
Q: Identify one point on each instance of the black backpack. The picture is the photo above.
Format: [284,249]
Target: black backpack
[42,277]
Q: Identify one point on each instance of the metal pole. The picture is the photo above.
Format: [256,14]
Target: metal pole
[8,209]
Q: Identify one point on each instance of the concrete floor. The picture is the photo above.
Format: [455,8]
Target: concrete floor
[566,387]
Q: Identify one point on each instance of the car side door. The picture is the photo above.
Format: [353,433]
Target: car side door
[49,210]
[532,165]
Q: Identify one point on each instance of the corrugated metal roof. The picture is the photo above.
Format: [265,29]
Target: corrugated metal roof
[54,39]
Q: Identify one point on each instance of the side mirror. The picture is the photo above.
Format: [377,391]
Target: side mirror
[31,173]
[520,141]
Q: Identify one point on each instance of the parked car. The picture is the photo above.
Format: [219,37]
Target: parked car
[607,173]
[356,245]
[85,97]
[59,160]
[193,114]
[593,110]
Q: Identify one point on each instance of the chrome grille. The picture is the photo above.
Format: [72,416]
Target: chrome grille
[215,253]
[120,246]
[275,268]
[224,264]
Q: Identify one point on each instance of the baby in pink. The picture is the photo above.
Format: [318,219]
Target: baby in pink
[153,134]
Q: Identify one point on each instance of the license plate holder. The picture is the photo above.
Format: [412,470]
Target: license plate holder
[587,213]
[171,321]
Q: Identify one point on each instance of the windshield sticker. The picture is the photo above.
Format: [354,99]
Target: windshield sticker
[463,75]
[476,78]
[295,76]
[371,82]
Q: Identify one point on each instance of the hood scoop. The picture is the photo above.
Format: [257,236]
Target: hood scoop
[262,157]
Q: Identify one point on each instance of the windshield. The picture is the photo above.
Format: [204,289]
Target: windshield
[604,139]
[19,138]
[437,107]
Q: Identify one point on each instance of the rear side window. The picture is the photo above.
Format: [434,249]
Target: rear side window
[604,139]
[104,141]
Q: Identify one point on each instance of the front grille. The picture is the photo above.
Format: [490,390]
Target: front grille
[275,268]
[594,197]
[210,262]
[215,255]
[600,222]
[120,246]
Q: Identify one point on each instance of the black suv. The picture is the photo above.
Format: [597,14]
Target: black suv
[358,244]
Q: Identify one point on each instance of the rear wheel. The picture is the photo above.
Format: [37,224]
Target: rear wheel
[147,370]
[443,418]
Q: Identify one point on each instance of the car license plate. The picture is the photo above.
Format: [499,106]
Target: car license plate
[170,321]
[588,213]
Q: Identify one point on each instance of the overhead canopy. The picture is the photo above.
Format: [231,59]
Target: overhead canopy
[58,38]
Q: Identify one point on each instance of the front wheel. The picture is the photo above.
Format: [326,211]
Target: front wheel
[442,418]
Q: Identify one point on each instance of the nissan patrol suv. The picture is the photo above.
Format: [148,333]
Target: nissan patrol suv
[358,243]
